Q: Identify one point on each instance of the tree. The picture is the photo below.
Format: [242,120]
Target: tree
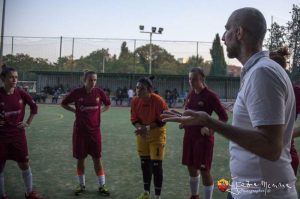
[193,61]
[126,60]
[25,63]
[294,43]
[219,66]
[277,37]
[94,61]
[162,60]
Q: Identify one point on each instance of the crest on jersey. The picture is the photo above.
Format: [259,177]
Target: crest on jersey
[80,99]
[20,101]
[97,99]
[201,103]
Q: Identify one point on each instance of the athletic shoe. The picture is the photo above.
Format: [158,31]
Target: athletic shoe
[144,195]
[33,195]
[79,190]
[103,190]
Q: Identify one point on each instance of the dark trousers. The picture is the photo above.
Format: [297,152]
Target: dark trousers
[229,196]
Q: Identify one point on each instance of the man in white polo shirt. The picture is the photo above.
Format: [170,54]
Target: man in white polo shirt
[263,115]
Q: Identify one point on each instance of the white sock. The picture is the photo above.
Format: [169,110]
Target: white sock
[2,188]
[101,180]
[157,197]
[208,191]
[194,185]
[27,177]
[81,180]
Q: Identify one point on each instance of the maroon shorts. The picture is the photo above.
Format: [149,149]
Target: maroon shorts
[14,149]
[295,158]
[197,150]
[85,143]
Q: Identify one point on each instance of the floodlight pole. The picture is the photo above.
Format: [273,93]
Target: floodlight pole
[150,54]
[2,32]
[150,48]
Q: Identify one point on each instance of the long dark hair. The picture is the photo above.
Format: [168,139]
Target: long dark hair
[147,82]
[5,71]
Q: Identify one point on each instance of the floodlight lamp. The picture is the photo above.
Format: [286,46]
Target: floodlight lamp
[160,30]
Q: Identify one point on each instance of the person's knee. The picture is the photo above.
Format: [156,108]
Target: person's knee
[80,163]
[206,178]
[193,172]
[97,162]
[23,165]
[145,161]
[157,164]
[205,173]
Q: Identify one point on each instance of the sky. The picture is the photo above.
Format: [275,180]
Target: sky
[184,20]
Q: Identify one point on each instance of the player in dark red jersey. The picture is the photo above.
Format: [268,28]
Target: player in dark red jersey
[13,144]
[198,141]
[86,131]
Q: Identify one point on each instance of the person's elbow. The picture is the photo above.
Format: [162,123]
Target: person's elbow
[107,107]
[273,145]
[63,105]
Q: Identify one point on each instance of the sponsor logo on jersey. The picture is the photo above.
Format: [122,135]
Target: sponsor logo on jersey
[201,103]
[12,113]
[87,108]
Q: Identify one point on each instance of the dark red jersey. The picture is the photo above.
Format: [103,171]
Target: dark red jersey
[12,111]
[206,101]
[88,108]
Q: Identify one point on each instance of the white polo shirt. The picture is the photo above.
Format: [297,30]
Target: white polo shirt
[130,93]
[266,97]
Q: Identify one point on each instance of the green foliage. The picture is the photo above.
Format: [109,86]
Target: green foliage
[127,62]
[294,42]
[162,60]
[195,61]
[219,66]
[288,35]
[277,37]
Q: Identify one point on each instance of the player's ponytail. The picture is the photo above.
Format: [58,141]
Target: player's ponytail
[280,55]
[5,70]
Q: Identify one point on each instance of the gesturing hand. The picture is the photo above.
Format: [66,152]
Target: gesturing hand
[188,117]
[141,130]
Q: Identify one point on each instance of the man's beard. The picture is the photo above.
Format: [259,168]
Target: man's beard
[233,51]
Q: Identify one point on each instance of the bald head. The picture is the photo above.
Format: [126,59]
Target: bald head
[252,21]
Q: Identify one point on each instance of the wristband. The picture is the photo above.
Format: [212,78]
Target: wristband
[148,127]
